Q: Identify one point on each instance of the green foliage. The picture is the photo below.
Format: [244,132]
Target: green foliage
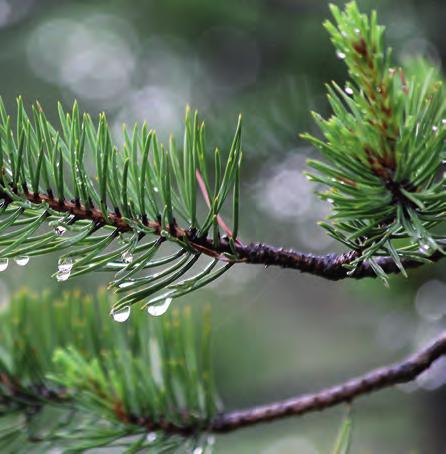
[104,202]
[344,438]
[383,147]
[71,377]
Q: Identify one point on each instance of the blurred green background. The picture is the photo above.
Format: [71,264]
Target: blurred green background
[276,333]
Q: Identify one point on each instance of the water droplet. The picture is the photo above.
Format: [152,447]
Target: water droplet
[3,264]
[65,264]
[155,189]
[63,275]
[198,450]
[64,267]
[330,200]
[21,260]
[151,437]
[349,91]
[126,284]
[211,440]
[434,128]
[340,55]
[127,257]
[59,230]
[425,248]
[121,315]
[443,122]
[159,309]
[357,31]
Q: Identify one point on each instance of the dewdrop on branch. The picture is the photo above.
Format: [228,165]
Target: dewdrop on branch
[21,260]
[121,315]
[159,309]
[151,437]
[60,230]
[127,257]
[64,268]
[3,264]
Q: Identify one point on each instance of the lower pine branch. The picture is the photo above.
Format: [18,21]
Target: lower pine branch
[344,393]
[402,372]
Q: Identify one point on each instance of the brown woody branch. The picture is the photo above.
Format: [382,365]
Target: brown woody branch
[376,380]
[385,377]
[329,266]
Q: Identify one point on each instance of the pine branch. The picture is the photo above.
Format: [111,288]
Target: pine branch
[384,147]
[333,266]
[330,266]
[376,380]
[107,374]
[140,190]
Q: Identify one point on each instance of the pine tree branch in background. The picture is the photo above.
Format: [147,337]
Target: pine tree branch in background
[154,378]
[376,380]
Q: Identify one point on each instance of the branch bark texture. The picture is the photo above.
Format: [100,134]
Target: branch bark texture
[329,266]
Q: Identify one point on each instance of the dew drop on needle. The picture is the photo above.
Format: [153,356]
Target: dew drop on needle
[121,315]
[21,260]
[159,309]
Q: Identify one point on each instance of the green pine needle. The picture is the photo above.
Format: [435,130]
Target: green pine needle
[106,218]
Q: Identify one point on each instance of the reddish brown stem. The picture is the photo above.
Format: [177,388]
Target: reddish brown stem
[330,266]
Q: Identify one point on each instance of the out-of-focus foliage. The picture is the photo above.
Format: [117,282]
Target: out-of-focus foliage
[71,377]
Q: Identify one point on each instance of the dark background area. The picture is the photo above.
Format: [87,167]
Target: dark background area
[276,333]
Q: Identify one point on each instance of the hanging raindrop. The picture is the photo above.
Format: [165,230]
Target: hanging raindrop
[127,257]
[340,55]
[21,260]
[151,437]
[122,315]
[126,284]
[59,230]
[64,268]
[425,248]
[65,264]
[3,264]
[349,91]
[159,309]
[63,275]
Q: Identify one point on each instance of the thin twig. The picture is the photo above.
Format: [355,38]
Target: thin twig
[376,380]
[205,195]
